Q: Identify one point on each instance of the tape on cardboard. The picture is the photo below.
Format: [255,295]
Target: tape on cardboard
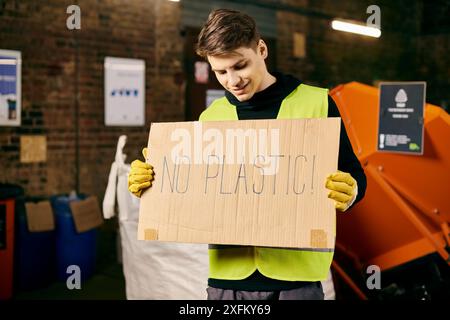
[318,238]
[151,234]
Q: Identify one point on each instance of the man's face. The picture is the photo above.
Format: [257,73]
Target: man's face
[241,72]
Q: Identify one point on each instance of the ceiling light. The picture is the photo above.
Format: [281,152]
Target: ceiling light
[356,28]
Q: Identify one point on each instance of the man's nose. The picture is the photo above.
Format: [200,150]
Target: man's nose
[233,79]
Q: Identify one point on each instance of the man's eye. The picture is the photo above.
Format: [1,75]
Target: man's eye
[241,66]
[220,72]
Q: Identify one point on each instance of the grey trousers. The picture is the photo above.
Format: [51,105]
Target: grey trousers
[311,291]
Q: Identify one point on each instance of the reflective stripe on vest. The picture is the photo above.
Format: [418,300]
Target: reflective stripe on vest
[239,262]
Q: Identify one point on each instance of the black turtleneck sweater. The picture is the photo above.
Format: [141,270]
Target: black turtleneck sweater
[265,105]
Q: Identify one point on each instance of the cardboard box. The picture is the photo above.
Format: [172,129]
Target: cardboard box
[252,182]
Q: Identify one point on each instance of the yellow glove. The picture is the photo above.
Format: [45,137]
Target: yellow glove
[140,176]
[344,189]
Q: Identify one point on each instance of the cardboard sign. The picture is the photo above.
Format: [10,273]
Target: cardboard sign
[33,149]
[40,216]
[253,182]
[86,214]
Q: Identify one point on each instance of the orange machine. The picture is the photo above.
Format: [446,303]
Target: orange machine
[406,210]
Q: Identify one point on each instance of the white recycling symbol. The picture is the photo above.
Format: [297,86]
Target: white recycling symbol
[401,98]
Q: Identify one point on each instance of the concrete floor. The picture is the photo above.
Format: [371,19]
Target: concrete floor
[106,284]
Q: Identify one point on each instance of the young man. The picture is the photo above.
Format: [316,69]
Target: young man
[230,42]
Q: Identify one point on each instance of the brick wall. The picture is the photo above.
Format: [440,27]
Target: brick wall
[287,24]
[134,29]
[334,57]
[414,45]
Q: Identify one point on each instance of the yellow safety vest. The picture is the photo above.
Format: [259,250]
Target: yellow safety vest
[239,262]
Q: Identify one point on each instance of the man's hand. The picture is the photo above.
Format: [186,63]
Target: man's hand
[343,189]
[140,176]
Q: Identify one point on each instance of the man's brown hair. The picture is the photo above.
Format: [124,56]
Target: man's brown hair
[226,30]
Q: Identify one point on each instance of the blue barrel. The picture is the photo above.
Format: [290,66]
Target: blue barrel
[34,264]
[72,248]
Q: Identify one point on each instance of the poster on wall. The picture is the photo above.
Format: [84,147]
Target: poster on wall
[201,72]
[401,112]
[10,87]
[124,92]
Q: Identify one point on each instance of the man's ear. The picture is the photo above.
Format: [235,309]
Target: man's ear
[262,49]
